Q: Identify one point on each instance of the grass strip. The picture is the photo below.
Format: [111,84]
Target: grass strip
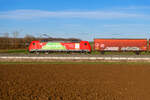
[14,51]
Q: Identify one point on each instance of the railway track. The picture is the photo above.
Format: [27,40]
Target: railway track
[70,55]
[78,58]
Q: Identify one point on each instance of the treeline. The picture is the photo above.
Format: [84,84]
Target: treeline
[23,43]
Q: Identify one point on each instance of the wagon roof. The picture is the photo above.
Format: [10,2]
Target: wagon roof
[123,38]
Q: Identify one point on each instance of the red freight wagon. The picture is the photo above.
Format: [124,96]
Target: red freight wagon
[136,45]
[149,45]
[57,46]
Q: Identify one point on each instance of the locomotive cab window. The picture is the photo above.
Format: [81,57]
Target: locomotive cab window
[85,43]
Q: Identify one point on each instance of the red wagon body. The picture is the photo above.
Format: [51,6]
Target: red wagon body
[120,45]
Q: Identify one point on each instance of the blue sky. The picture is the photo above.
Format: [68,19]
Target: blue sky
[84,19]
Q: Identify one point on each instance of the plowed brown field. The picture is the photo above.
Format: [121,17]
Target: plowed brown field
[74,82]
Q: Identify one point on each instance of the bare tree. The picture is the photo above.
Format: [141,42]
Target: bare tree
[27,39]
[6,37]
[15,35]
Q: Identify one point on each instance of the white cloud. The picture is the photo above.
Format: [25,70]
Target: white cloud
[32,14]
[136,8]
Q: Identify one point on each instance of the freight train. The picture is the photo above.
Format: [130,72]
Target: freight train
[100,45]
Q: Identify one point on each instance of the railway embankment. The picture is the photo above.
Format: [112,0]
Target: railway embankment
[73,58]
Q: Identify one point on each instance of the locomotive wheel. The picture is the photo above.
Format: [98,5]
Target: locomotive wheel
[46,53]
[89,52]
[37,52]
[68,52]
[85,52]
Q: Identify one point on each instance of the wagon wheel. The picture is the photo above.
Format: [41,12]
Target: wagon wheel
[137,53]
[102,52]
